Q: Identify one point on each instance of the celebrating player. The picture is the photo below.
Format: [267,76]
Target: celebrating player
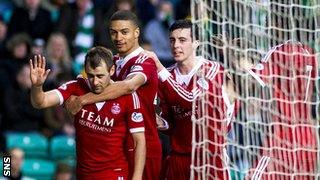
[289,71]
[134,72]
[193,78]
[101,128]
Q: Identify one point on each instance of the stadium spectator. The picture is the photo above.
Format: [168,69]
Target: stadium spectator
[38,46]
[31,19]
[3,39]
[18,48]
[57,120]
[146,10]
[101,127]
[180,86]
[83,25]
[17,158]
[19,115]
[157,32]
[54,7]
[134,72]
[58,55]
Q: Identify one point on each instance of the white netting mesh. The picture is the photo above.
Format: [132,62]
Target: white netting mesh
[277,125]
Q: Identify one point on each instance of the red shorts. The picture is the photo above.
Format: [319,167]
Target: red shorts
[178,167]
[152,167]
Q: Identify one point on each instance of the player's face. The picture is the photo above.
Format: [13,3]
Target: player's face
[99,77]
[124,35]
[181,44]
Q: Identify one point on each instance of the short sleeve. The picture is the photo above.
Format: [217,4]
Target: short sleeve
[66,90]
[135,116]
[145,66]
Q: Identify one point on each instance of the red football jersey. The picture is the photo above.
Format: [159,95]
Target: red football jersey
[138,63]
[101,129]
[177,92]
[290,70]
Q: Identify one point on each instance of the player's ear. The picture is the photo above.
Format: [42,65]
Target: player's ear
[137,32]
[112,70]
[195,44]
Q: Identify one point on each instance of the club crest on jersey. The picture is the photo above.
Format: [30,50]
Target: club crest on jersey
[137,117]
[203,83]
[115,109]
[136,68]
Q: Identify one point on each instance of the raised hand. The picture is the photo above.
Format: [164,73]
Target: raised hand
[245,64]
[38,73]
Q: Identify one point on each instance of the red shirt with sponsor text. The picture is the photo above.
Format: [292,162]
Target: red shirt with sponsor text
[177,96]
[203,85]
[138,63]
[101,129]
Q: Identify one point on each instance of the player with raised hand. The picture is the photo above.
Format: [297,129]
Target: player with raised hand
[101,128]
[135,71]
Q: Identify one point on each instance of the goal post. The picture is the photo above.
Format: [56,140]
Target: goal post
[275,133]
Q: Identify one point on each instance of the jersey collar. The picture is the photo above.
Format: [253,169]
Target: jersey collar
[132,54]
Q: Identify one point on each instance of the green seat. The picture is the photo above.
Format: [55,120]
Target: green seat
[62,147]
[34,145]
[39,169]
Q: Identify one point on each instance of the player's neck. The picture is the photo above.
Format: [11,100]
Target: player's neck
[187,65]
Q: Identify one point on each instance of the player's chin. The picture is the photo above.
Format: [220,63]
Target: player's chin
[178,58]
[121,49]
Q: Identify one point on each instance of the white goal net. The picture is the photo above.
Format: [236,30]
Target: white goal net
[275,134]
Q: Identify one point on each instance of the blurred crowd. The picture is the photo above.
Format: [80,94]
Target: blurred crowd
[63,30]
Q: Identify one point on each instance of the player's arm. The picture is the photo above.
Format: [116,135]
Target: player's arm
[138,76]
[230,99]
[169,83]
[136,127]
[114,90]
[38,75]
[139,155]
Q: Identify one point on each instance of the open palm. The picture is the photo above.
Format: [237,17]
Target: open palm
[38,73]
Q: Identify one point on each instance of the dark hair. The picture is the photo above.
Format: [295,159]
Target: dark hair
[182,24]
[98,54]
[17,39]
[125,15]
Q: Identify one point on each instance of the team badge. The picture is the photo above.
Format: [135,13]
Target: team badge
[136,68]
[137,117]
[203,83]
[115,109]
